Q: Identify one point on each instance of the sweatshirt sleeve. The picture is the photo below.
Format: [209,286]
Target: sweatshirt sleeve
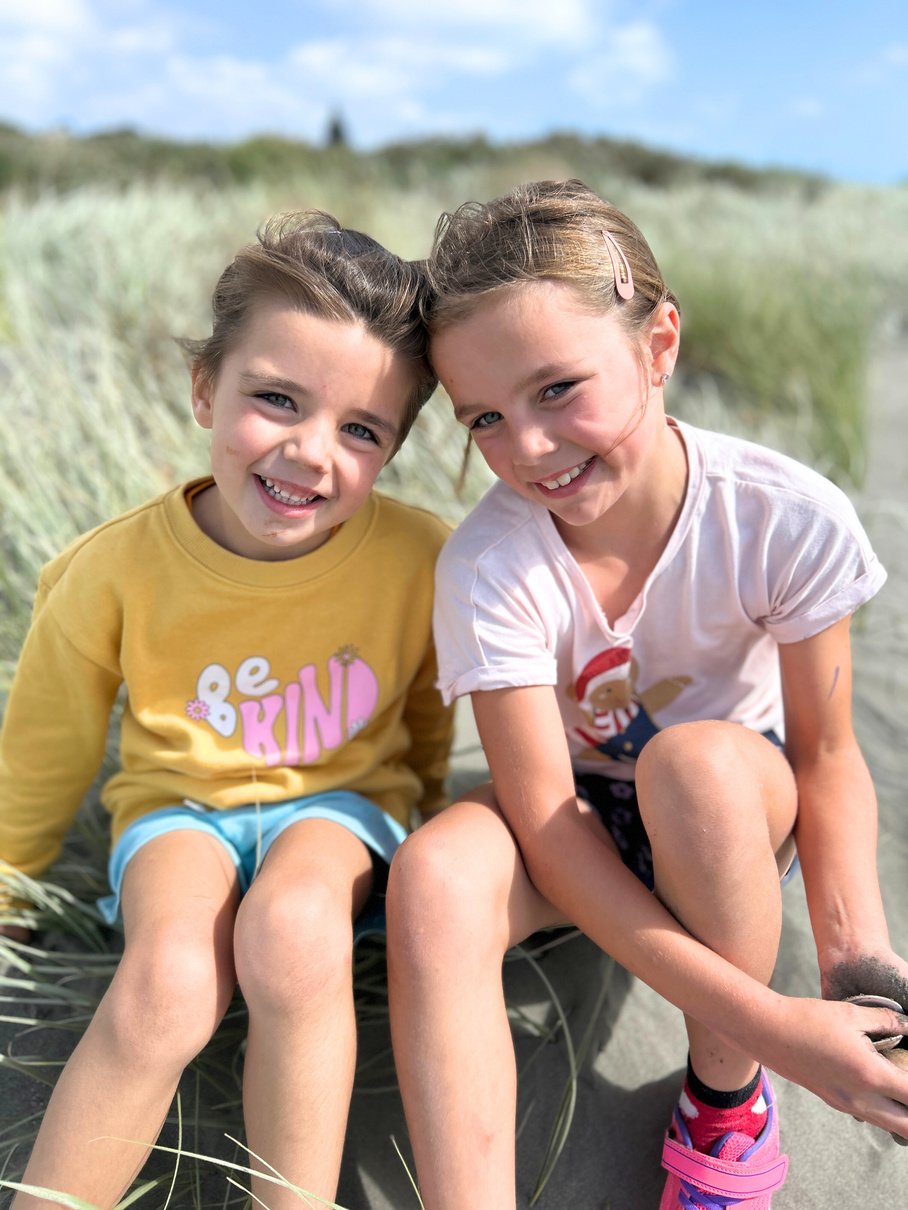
[52,742]
[431,726]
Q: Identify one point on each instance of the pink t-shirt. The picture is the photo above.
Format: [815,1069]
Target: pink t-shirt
[765,551]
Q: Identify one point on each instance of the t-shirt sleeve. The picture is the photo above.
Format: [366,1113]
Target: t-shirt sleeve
[820,564]
[491,629]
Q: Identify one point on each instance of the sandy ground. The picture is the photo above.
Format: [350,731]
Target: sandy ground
[632,1074]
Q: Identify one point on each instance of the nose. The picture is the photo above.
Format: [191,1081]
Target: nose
[309,444]
[530,442]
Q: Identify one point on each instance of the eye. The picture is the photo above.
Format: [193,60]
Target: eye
[556,390]
[355,429]
[485,421]
[278,400]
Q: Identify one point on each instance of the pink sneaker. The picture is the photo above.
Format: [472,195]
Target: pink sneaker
[739,1171]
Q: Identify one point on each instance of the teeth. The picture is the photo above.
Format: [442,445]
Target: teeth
[564,480]
[285,497]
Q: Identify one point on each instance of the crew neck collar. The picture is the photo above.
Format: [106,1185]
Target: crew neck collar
[263,573]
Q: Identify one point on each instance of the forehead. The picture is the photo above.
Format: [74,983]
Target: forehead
[277,327]
[278,340]
[521,330]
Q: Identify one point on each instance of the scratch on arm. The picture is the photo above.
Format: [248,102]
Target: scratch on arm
[835,681]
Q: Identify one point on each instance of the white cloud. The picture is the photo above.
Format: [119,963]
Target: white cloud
[390,66]
[527,22]
[29,69]
[145,40]
[191,98]
[55,16]
[63,61]
[39,41]
[628,62]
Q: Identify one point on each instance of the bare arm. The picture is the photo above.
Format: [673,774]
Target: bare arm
[822,1046]
[837,821]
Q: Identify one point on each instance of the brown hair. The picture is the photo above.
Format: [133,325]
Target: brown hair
[545,230]
[315,265]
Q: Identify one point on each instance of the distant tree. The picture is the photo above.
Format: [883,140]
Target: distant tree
[336,132]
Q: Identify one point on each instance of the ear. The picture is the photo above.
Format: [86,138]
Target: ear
[202,399]
[663,340]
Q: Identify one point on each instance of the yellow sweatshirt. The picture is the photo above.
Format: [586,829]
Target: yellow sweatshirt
[246,681]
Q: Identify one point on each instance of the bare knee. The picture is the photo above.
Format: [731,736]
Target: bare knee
[443,906]
[695,759]
[712,783]
[294,946]
[167,999]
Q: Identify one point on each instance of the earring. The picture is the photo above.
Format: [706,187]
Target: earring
[665,378]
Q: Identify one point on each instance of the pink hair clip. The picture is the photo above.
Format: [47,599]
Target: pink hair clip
[624,279]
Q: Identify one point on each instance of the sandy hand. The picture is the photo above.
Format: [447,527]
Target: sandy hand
[893,1046]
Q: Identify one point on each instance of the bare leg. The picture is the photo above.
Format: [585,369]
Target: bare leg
[719,803]
[458,898]
[293,946]
[170,991]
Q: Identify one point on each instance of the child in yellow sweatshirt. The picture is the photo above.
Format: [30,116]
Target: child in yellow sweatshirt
[271,624]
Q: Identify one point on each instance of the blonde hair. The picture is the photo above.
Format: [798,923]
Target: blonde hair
[308,260]
[544,230]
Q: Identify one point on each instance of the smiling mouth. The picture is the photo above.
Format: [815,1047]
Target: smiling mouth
[565,477]
[277,493]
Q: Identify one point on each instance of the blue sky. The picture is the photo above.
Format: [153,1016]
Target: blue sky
[818,86]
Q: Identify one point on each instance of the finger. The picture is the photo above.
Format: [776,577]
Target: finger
[884,1037]
[901,1139]
[893,1118]
[899,1058]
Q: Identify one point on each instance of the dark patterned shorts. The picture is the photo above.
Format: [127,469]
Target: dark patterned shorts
[615,802]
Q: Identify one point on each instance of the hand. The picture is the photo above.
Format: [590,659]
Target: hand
[870,974]
[826,1047]
[16,932]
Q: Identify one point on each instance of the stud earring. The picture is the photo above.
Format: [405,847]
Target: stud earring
[665,378]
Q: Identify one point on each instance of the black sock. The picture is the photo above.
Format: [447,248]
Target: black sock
[714,1096]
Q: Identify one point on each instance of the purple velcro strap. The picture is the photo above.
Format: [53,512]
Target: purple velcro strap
[728,1178]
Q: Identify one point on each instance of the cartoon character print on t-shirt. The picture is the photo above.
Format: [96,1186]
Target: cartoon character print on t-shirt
[290,724]
[618,717]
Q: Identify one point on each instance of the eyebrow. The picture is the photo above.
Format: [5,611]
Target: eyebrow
[553,372]
[272,382]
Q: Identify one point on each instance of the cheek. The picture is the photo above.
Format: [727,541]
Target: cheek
[360,470]
[245,438]
[494,454]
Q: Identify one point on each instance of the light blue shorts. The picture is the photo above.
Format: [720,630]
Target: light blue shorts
[247,833]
